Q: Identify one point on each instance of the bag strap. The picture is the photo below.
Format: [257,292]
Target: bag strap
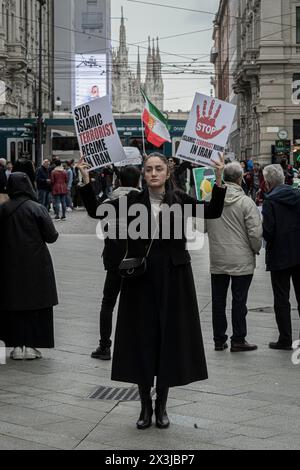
[151,244]
[150,247]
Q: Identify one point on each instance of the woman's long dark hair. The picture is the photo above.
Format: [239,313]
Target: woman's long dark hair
[171,195]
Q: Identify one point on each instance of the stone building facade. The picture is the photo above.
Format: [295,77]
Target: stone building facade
[126,85]
[262,47]
[19,53]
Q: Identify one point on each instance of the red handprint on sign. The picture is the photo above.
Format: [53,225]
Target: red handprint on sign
[206,125]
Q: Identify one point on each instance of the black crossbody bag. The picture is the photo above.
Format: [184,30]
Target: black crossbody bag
[131,268]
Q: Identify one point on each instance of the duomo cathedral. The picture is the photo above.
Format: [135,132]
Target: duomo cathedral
[126,85]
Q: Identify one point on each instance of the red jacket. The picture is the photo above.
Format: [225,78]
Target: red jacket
[59,180]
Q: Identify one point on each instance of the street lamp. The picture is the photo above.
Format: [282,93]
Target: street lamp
[40,123]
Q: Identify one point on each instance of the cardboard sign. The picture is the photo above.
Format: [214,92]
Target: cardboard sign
[205,179]
[98,139]
[133,157]
[207,130]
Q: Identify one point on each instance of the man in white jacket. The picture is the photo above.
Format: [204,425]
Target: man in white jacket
[235,239]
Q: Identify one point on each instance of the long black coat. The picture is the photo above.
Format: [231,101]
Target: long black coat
[3,180]
[28,281]
[281,224]
[158,329]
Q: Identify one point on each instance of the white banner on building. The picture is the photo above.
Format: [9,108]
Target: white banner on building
[207,130]
[90,78]
[98,138]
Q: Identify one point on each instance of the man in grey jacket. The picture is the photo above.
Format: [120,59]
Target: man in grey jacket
[235,239]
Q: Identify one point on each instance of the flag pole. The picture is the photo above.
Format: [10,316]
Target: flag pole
[143,135]
[143,128]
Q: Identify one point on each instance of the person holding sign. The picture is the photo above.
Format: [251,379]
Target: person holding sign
[158,332]
[207,130]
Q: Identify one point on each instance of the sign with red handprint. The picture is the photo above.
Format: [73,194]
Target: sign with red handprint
[206,127]
[207,130]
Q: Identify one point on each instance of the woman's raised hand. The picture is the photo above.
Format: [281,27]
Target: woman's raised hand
[219,169]
[83,167]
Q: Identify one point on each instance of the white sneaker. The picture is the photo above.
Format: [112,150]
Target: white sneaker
[69,209]
[17,354]
[30,354]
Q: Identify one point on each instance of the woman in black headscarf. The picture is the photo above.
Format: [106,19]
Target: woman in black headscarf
[23,165]
[28,288]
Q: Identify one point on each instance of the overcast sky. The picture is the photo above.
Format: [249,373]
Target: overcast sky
[144,20]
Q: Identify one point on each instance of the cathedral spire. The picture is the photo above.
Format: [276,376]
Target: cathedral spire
[139,74]
[158,59]
[122,34]
[155,63]
[149,74]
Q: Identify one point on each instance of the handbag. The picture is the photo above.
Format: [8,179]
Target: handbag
[131,268]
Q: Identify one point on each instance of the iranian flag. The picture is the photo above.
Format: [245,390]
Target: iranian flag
[156,124]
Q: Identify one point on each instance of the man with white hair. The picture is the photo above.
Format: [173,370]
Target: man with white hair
[281,224]
[3,180]
[235,239]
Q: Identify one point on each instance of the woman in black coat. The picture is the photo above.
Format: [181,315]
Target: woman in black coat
[28,288]
[158,331]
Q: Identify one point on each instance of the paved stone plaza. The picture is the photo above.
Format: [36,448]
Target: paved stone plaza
[251,400]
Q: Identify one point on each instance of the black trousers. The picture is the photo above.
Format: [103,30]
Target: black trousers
[281,283]
[240,287]
[111,291]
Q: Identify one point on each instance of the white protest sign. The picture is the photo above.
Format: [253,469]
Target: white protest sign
[98,139]
[207,130]
[133,157]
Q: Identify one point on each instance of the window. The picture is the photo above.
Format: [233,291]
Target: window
[92,20]
[298,25]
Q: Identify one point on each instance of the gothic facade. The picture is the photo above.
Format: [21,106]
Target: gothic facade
[126,85]
[19,52]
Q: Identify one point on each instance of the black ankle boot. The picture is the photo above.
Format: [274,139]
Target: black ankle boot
[162,420]
[145,419]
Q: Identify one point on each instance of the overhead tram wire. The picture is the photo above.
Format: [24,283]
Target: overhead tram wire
[206,12]
[99,37]
[135,45]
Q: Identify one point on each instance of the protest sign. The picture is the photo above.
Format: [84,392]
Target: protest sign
[205,179]
[98,139]
[133,157]
[207,130]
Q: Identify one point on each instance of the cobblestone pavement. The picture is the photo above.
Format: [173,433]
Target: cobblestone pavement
[251,400]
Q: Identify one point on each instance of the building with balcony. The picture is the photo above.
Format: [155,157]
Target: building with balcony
[263,51]
[19,54]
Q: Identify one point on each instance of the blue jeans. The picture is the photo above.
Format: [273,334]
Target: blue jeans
[69,199]
[44,197]
[60,199]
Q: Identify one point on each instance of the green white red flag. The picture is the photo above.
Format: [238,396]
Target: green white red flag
[156,124]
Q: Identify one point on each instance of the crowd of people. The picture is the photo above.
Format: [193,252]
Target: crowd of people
[56,183]
[158,332]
